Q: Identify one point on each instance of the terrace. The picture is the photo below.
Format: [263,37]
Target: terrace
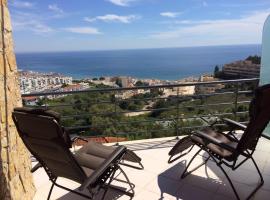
[160,180]
[149,123]
[152,136]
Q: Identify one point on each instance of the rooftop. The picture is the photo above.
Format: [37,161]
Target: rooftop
[160,180]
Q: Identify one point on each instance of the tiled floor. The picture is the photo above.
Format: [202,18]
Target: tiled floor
[160,180]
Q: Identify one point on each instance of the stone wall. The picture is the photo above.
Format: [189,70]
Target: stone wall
[15,178]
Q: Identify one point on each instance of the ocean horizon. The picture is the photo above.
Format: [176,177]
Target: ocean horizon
[161,63]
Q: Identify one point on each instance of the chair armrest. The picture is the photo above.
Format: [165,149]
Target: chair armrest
[78,138]
[211,124]
[212,140]
[36,167]
[234,124]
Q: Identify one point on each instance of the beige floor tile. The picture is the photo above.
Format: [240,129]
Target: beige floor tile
[242,189]
[266,185]
[248,177]
[220,197]
[164,186]
[147,195]
[262,195]
[188,191]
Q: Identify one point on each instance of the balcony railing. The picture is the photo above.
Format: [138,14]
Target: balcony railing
[150,111]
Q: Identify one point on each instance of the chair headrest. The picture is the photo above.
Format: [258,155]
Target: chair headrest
[39,111]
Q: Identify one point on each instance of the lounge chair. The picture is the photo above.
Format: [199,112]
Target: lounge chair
[227,148]
[94,166]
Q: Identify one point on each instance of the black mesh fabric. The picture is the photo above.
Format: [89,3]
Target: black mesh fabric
[259,118]
[49,113]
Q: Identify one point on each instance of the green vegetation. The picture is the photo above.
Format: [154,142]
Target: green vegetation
[118,82]
[104,113]
[64,85]
[217,72]
[141,83]
[254,59]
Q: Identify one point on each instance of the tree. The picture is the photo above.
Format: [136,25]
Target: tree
[216,71]
[254,59]
[64,85]
[41,101]
[101,78]
[118,82]
[124,105]
[140,83]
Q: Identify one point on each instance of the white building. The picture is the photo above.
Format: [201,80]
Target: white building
[36,82]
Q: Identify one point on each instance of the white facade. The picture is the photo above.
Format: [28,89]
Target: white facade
[30,82]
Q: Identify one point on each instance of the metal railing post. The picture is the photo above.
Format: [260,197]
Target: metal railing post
[115,116]
[177,115]
[236,100]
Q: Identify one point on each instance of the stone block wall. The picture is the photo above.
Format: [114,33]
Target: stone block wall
[16,180]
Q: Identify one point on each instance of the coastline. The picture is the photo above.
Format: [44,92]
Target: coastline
[164,64]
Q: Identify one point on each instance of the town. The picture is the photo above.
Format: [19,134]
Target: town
[35,82]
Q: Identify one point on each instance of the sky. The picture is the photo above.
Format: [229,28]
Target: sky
[74,25]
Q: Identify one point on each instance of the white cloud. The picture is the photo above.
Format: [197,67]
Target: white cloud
[32,25]
[89,19]
[170,14]
[113,18]
[121,2]
[22,4]
[246,29]
[83,30]
[22,21]
[55,8]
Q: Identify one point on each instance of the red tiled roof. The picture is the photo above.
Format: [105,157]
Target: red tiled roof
[100,140]
[31,98]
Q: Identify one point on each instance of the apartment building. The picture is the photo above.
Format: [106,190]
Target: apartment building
[242,69]
[209,88]
[36,82]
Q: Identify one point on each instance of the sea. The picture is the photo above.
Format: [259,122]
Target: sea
[162,63]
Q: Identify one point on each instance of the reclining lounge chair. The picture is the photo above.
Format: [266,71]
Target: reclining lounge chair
[227,148]
[94,166]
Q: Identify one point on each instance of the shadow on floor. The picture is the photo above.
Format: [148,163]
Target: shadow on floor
[206,186]
[186,188]
[111,195]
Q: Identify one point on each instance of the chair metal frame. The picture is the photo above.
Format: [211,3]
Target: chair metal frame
[105,186]
[247,154]
[103,181]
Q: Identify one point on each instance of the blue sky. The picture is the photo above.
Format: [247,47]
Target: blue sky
[71,25]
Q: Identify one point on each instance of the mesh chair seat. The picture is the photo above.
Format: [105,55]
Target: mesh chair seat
[218,150]
[92,156]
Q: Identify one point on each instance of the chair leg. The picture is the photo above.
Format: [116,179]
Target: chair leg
[51,189]
[109,186]
[261,177]
[106,188]
[185,173]
[141,167]
[128,182]
[228,178]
